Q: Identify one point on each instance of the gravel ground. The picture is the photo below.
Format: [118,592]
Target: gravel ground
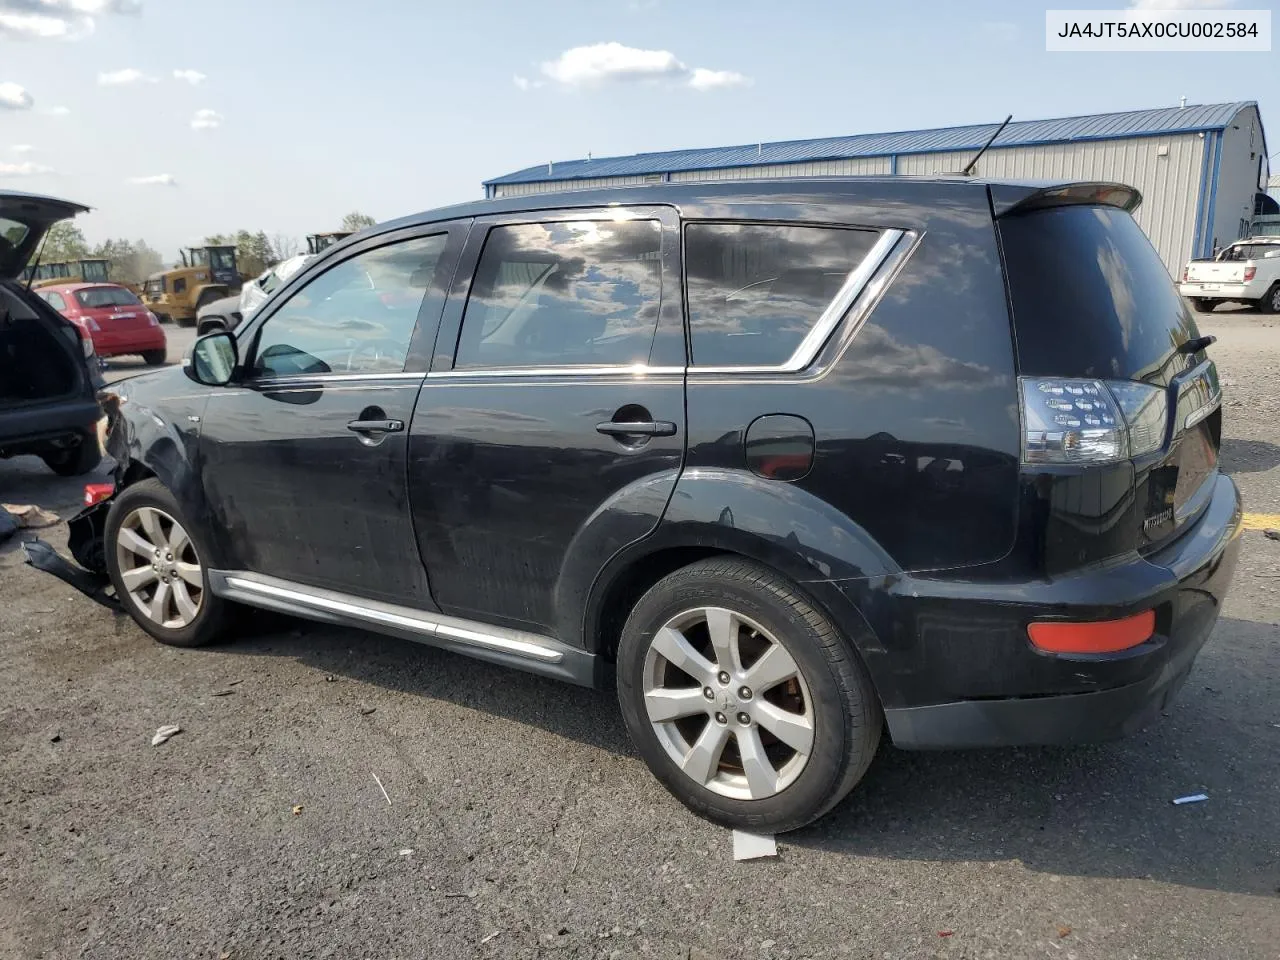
[521,824]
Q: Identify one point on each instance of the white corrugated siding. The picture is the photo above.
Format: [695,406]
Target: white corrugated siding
[1170,185]
[855,167]
[1238,179]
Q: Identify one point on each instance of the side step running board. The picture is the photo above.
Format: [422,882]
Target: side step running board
[511,648]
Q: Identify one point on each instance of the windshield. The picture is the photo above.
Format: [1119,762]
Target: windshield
[223,259]
[154,287]
[199,257]
[1091,297]
[107,297]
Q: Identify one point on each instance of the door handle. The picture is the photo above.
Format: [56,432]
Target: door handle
[376,426]
[643,428]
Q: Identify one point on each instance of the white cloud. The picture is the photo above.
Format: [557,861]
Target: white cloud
[602,63]
[155,180]
[193,77]
[24,169]
[22,148]
[704,79]
[1180,4]
[58,111]
[14,97]
[521,83]
[206,120]
[57,19]
[124,78]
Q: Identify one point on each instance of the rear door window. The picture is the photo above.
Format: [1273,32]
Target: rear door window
[564,293]
[1091,297]
[756,290]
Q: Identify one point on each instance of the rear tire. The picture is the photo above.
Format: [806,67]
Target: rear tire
[1270,302]
[75,461]
[158,563]
[185,321]
[153,358]
[786,737]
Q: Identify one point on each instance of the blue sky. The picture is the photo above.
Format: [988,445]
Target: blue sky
[320,107]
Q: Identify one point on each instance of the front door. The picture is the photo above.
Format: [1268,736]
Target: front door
[550,432]
[304,455]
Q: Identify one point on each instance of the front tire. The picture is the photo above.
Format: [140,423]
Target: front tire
[76,460]
[744,700]
[157,562]
[1270,303]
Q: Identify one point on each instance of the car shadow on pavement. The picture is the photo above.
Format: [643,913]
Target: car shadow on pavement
[1248,456]
[1096,811]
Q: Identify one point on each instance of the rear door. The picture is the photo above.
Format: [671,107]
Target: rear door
[551,429]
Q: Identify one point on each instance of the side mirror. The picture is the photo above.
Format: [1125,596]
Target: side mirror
[214,359]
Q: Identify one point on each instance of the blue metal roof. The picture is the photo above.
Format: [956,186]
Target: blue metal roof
[1103,126]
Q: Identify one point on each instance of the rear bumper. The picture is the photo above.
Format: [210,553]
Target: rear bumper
[1222,291]
[980,682]
[133,342]
[22,427]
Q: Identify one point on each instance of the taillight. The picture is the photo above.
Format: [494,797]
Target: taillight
[86,344]
[1090,421]
[97,492]
[1250,273]
[152,319]
[1185,272]
[87,324]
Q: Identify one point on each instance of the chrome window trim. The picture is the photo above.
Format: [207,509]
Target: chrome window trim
[865,282]
[305,379]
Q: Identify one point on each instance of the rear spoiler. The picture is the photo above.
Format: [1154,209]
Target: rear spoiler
[1008,198]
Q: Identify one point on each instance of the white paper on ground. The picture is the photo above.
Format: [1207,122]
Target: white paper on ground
[164,733]
[751,846]
[1194,798]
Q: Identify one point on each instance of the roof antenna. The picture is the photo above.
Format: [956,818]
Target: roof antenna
[759,149]
[1182,103]
[548,166]
[978,156]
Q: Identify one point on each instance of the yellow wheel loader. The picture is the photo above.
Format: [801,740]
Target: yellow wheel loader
[207,274]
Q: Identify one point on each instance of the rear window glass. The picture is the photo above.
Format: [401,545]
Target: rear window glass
[756,290]
[572,293]
[106,297]
[1091,298]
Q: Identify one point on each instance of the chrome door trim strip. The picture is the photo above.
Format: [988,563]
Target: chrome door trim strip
[629,370]
[527,645]
[304,379]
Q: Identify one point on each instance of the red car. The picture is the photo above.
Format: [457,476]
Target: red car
[112,317]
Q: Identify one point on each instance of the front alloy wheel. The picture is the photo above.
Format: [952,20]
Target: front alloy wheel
[739,724]
[159,568]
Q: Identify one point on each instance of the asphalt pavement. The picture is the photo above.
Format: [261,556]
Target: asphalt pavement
[518,822]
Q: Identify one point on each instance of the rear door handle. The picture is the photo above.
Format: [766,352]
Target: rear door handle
[376,426]
[643,428]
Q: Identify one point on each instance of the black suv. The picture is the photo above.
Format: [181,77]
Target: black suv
[789,462]
[48,380]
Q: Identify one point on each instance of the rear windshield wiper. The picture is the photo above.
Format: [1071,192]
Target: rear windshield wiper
[1198,344]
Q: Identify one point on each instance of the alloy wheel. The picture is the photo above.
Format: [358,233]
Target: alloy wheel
[159,567]
[728,703]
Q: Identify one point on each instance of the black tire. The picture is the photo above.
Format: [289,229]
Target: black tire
[1270,302]
[1201,305]
[847,719]
[185,321]
[213,616]
[153,358]
[75,461]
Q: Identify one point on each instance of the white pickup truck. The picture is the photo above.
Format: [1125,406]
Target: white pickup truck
[1247,272]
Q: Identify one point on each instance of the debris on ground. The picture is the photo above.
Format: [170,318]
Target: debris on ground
[485,940]
[29,516]
[1063,932]
[164,733]
[405,851]
[56,738]
[1193,798]
[1271,534]
[8,525]
[223,693]
[752,846]
[297,809]
[946,933]
[383,789]
[365,711]
[232,683]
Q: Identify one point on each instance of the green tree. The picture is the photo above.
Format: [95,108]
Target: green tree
[131,261]
[356,220]
[64,241]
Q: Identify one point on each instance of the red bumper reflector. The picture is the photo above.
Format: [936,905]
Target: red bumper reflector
[1102,636]
[97,492]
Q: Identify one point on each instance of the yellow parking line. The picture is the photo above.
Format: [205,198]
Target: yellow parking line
[1261,521]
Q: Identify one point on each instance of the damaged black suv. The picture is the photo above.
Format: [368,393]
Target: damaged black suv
[48,382]
[789,464]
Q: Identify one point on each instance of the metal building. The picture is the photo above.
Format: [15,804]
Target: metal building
[1200,168]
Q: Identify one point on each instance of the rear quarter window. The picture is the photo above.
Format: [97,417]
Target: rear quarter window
[756,290]
[1091,297]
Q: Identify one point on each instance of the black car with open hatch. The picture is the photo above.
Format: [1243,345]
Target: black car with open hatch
[792,464]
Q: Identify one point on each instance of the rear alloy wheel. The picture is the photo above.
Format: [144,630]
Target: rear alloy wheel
[743,698]
[157,569]
[1270,303]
